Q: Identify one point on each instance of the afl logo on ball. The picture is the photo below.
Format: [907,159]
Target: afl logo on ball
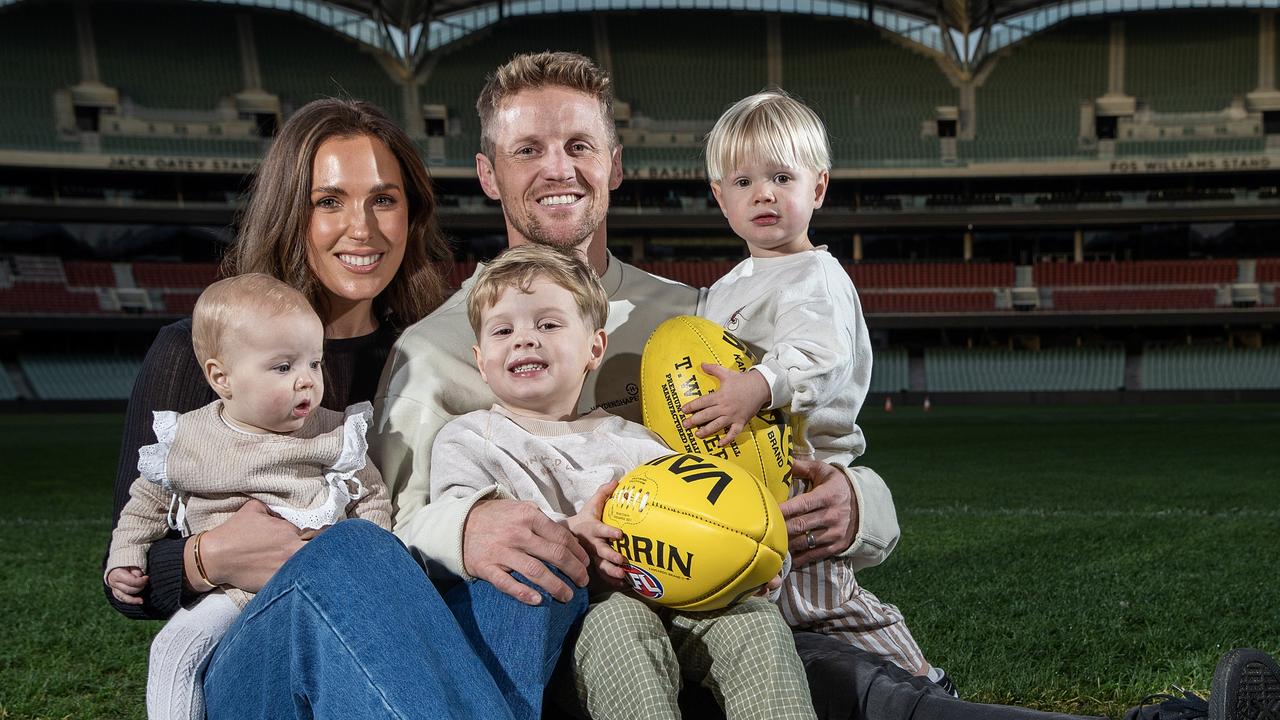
[643,582]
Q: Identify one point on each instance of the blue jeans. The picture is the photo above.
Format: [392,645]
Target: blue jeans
[351,627]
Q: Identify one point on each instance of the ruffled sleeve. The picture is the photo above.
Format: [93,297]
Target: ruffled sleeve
[153,459]
[343,485]
[355,446]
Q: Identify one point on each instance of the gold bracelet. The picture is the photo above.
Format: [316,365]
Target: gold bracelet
[195,552]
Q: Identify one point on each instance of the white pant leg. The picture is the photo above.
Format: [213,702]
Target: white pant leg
[179,654]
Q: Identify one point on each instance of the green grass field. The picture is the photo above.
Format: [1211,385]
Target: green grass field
[1063,558]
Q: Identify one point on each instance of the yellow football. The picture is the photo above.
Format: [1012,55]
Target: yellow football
[699,532]
[671,375]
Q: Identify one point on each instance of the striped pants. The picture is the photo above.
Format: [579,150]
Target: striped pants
[824,597]
[629,661]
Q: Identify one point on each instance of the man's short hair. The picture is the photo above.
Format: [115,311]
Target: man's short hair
[531,71]
[228,304]
[770,126]
[519,266]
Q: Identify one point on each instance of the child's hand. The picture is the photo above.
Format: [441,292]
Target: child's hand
[740,397]
[126,584]
[605,562]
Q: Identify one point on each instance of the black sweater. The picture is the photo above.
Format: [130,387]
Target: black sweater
[171,379]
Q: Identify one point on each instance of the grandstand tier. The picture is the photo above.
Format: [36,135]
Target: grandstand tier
[80,377]
[1058,370]
[1210,368]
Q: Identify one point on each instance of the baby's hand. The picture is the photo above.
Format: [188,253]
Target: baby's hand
[606,563]
[126,584]
[740,397]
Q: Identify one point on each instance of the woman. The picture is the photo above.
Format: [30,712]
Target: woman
[341,209]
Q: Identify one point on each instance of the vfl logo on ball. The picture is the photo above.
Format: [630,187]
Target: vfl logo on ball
[643,582]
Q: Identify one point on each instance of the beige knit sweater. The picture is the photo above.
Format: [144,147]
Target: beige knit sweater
[312,477]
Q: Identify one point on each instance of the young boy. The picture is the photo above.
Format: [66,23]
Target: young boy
[768,162]
[266,437]
[538,314]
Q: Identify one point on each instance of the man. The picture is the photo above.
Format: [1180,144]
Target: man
[550,155]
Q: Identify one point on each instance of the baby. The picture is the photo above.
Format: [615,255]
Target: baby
[538,314]
[266,437]
[768,161]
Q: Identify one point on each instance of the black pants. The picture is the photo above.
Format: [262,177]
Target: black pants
[850,684]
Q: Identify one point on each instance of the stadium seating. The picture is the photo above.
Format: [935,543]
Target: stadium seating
[931,275]
[457,78]
[899,301]
[718,58]
[1134,299]
[174,275]
[1145,285]
[1268,270]
[458,272]
[1190,62]
[1210,368]
[38,52]
[209,147]
[39,298]
[1056,370]
[80,377]
[39,268]
[178,303]
[7,390]
[1029,106]
[89,274]
[889,373]
[132,54]
[1182,147]
[874,95]
[1150,272]
[302,61]
[696,274]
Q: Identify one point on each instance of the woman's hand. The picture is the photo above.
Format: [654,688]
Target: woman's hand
[821,521]
[245,551]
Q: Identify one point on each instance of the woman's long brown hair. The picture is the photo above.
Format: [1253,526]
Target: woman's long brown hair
[274,223]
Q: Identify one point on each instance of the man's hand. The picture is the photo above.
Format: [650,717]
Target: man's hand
[731,407]
[505,536]
[594,536]
[126,584]
[822,521]
[246,550]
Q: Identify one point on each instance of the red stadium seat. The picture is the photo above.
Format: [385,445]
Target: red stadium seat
[1134,299]
[174,275]
[88,274]
[47,299]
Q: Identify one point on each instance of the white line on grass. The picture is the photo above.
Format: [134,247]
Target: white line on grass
[968,511]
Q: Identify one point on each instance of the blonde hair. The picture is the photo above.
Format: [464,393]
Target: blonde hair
[521,265]
[531,71]
[769,125]
[227,304]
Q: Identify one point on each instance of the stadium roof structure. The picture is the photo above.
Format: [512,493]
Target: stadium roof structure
[963,33]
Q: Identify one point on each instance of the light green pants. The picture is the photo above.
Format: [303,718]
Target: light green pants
[630,658]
